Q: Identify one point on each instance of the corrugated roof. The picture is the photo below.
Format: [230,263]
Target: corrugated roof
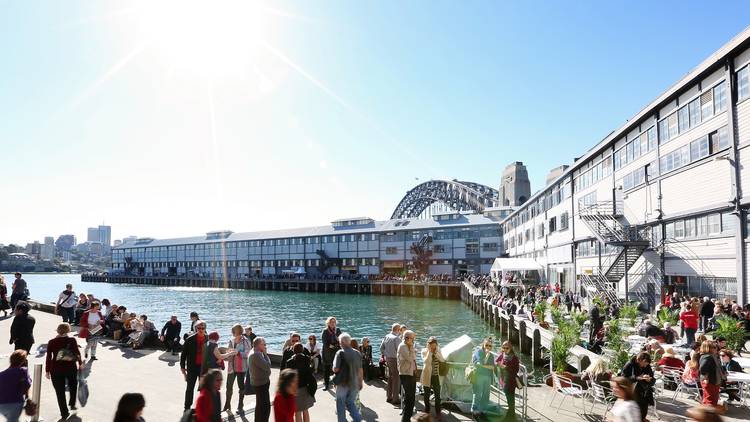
[377,226]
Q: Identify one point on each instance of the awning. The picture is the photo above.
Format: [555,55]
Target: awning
[515,264]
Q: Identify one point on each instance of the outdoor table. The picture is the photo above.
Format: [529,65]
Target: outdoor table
[742,378]
[636,337]
[744,362]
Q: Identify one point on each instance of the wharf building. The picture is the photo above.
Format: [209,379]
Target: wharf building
[450,243]
[658,205]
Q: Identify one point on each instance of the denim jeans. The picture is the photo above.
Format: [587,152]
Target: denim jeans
[11,411]
[690,335]
[346,400]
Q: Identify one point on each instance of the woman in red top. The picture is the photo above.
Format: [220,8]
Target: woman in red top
[62,355]
[284,404]
[669,359]
[208,404]
[689,320]
[91,324]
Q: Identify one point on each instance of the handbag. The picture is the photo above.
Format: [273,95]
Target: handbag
[442,368]
[30,407]
[65,355]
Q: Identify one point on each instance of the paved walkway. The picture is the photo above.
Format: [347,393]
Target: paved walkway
[156,375]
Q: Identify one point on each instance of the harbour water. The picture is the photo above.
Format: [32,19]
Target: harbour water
[273,314]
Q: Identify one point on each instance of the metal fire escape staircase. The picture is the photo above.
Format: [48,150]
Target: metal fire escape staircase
[607,224]
[326,261]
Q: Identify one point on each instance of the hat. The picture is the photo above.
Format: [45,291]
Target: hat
[668,352]
[214,335]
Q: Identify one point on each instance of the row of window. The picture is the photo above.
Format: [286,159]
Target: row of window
[710,102]
[700,148]
[290,263]
[637,147]
[549,227]
[703,226]
[591,248]
[596,173]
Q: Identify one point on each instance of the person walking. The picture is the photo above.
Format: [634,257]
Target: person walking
[260,378]
[66,304]
[236,367]
[625,408]
[347,365]
[19,292]
[306,382]
[407,370]
[330,339]
[638,371]
[130,408]
[209,400]
[284,404]
[509,365]
[4,305]
[689,320]
[191,360]
[170,334]
[91,324]
[14,386]
[389,349]
[706,313]
[483,363]
[22,328]
[711,375]
[430,377]
[60,366]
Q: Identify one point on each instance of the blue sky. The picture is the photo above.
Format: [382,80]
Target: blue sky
[170,119]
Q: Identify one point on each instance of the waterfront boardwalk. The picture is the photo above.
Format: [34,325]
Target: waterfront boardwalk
[156,374]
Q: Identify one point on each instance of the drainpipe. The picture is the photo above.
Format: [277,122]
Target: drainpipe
[735,178]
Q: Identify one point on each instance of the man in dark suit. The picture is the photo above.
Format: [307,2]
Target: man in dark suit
[170,334]
[191,359]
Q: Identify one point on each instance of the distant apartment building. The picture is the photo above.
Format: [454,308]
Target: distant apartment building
[659,205]
[48,248]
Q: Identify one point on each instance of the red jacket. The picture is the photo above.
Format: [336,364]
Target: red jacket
[205,409]
[284,407]
[689,319]
[84,323]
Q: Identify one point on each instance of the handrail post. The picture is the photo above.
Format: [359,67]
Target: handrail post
[36,393]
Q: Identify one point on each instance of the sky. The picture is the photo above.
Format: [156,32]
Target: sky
[171,119]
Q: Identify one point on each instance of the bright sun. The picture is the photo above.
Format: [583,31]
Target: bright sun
[207,39]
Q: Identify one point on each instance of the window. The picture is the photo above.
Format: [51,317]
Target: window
[679,229]
[719,139]
[540,231]
[489,247]
[690,228]
[728,223]
[472,248]
[663,131]
[652,138]
[720,98]
[707,105]
[714,224]
[702,226]
[391,250]
[695,112]
[699,149]
[684,119]
[438,248]
[672,122]
[552,224]
[564,221]
[669,230]
[743,83]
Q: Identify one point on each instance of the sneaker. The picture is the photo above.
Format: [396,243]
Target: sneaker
[94,358]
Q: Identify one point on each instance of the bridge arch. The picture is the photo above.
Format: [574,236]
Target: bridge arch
[459,195]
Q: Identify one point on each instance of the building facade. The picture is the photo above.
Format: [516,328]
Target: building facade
[451,244]
[666,188]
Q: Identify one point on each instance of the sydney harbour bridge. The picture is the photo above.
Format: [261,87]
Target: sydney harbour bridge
[453,195]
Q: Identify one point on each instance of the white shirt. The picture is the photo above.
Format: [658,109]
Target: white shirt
[626,411]
[312,349]
[67,301]
[93,319]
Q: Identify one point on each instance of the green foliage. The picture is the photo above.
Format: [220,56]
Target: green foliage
[580,317]
[618,361]
[615,342]
[541,309]
[666,315]
[629,312]
[568,335]
[599,302]
[556,315]
[729,329]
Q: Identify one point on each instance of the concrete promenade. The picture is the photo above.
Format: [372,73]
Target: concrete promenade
[156,375]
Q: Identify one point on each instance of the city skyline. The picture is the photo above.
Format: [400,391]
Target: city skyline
[168,134]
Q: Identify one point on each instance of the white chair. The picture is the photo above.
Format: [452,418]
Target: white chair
[566,387]
[602,395]
[673,376]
